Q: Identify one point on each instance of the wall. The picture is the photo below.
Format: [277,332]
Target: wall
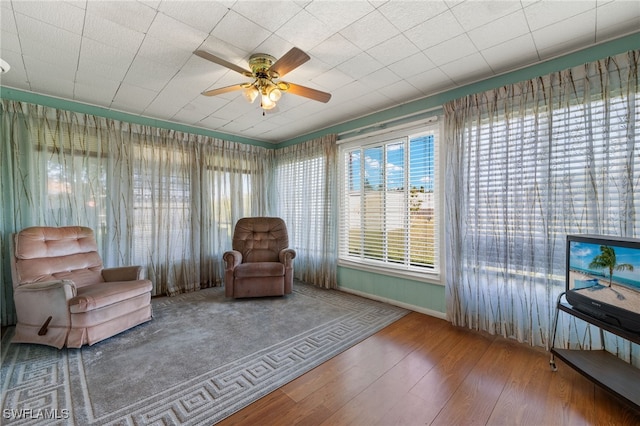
[417,295]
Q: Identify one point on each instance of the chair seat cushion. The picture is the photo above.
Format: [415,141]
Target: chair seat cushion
[99,295]
[259,269]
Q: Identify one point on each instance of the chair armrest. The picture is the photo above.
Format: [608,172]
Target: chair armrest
[286,256]
[123,273]
[65,287]
[43,313]
[232,258]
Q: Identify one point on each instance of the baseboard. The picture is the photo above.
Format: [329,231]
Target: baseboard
[414,308]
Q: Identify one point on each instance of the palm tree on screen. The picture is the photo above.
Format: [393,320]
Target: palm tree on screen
[607,260]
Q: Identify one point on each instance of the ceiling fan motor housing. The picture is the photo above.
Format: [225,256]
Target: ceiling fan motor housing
[260,64]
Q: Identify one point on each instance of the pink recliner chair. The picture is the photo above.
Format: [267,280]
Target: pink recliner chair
[260,264]
[64,296]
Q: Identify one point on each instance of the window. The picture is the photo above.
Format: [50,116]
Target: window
[535,178]
[390,202]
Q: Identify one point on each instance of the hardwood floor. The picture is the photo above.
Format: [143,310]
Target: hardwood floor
[423,371]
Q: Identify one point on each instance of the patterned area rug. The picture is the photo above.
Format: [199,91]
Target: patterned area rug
[202,358]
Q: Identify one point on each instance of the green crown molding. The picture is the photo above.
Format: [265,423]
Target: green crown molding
[59,103]
[433,104]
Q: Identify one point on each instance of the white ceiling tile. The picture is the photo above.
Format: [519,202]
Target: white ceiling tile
[262,127]
[434,31]
[112,34]
[189,115]
[213,122]
[408,14]
[46,34]
[274,46]
[473,14]
[48,79]
[337,15]
[234,108]
[512,54]
[360,65]
[7,20]
[58,14]
[165,53]
[547,12]
[467,70]
[372,101]
[351,91]
[103,60]
[450,50]
[452,3]
[496,32]
[574,32]
[133,98]
[370,31]
[176,33]
[9,41]
[380,78]
[133,15]
[61,59]
[90,92]
[201,15]
[148,74]
[332,80]
[400,92]
[335,50]
[239,31]
[412,65]
[270,15]
[393,50]
[431,81]
[616,17]
[304,31]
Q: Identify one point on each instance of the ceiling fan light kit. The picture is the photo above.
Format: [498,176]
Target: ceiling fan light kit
[4,66]
[265,71]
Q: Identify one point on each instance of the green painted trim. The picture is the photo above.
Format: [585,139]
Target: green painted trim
[591,54]
[420,295]
[59,103]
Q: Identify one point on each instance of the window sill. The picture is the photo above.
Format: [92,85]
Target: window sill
[426,276]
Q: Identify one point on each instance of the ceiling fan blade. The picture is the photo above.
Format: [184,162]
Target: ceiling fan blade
[290,61]
[221,90]
[209,57]
[307,92]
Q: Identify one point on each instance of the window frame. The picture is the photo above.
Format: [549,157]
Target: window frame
[372,139]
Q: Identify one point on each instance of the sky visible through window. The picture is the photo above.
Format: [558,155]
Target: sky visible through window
[421,162]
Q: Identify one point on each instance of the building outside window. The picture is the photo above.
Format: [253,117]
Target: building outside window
[389,202]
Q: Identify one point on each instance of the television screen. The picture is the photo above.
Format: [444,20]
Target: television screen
[603,278]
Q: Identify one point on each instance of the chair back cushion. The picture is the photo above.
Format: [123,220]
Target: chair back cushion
[47,253]
[260,239]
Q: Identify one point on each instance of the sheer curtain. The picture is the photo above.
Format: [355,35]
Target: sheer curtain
[159,198]
[527,164]
[306,180]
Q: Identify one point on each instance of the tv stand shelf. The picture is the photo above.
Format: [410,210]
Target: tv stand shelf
[600,366]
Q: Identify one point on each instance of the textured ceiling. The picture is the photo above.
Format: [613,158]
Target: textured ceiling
[137,56]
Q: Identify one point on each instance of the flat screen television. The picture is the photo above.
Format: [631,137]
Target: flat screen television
[603,279]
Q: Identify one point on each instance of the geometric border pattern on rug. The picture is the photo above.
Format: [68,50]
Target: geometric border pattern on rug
[202,400]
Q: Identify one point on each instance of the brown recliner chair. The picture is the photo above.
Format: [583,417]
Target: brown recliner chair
[260,264]
[64,296]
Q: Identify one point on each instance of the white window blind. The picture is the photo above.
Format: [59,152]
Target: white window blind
[557,158]
[389,202]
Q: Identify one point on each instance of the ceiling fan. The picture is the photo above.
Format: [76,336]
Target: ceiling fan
[266,72]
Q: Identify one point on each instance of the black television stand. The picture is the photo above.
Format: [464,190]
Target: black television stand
[603,368]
